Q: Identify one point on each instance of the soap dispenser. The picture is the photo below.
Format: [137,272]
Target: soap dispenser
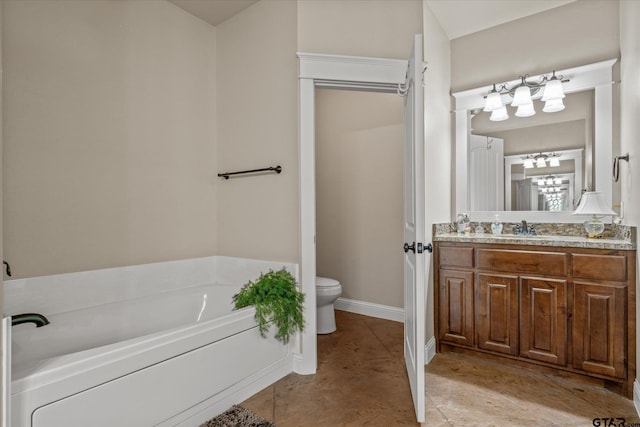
[496,226]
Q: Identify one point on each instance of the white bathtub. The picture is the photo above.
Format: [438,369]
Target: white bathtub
[150,345]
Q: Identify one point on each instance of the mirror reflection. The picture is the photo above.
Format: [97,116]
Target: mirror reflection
[536,163]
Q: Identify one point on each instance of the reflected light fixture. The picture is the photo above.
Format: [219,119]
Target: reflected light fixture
[591,203]
[540,161]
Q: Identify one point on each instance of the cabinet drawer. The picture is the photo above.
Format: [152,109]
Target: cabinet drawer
[602,267]
[454,256]
[548,263]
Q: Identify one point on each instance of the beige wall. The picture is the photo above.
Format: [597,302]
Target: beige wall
[258,127]
[376,28]
[109,136]
[630,127]
[359,166]
[576,34]
[438,147]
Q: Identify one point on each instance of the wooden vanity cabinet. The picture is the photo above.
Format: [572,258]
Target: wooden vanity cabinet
[496,301]
[572,309]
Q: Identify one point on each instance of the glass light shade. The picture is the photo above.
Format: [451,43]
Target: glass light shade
[550,181]
[554,162]
[553,90]
[499,114]
[592,204]
[558,181]
[545,189]
[493,101]
[540,163]
[522,96]
[553,106]
[528,163]
[541,182]
[525,110]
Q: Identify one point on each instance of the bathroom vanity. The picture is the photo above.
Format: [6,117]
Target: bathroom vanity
[560,302]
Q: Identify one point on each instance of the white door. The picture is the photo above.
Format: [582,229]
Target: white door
[486,173]
[414,232]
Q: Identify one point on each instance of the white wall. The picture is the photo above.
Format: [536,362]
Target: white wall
[257,128]
[438,141]
[630,127]
[109,135]
[359,170]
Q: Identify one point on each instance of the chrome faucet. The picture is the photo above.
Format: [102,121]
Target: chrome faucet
[35,318]
[524,229]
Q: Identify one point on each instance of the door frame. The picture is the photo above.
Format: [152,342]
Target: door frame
[334,72]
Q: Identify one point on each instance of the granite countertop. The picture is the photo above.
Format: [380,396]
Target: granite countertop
[551,240]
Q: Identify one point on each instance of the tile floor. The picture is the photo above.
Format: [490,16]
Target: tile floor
[361,380]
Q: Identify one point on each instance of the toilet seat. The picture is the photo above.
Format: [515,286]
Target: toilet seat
[326,283]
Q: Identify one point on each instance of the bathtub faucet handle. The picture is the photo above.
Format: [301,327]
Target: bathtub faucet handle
[35,318]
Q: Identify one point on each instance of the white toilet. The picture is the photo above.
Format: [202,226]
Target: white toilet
[327,292]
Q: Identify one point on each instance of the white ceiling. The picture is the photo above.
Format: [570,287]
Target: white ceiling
[213,11]
[461,17]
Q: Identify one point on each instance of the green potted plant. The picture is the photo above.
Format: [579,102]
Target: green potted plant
[276,300]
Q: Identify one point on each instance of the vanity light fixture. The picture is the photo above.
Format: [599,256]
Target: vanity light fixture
[592,204]
[523,94]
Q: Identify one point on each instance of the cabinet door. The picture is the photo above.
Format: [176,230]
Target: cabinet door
[599,328]
[455,307]
[497,313]
[543,320]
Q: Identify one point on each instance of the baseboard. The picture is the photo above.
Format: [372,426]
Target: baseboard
[370,309]
[636,395]
[429,350]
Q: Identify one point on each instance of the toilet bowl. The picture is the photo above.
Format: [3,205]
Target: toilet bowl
[327,292]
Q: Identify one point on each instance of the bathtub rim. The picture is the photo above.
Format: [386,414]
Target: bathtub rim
[146,350]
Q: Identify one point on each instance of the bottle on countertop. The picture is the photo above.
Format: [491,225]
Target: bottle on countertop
[496,226]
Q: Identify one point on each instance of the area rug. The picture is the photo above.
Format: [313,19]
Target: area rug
[238,416]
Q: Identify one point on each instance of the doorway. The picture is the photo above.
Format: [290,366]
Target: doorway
[385,75]
[359,200]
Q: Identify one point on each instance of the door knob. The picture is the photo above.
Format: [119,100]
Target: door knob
[410,247]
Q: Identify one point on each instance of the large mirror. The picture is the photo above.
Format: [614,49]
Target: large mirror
[558,140]
[536,167]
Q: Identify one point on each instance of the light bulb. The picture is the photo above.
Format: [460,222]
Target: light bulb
[522,96]
[553,106]
[493,101]
[553,90]
[540,163]
[499,114]
[525,110]
[528,163]
[554,162]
